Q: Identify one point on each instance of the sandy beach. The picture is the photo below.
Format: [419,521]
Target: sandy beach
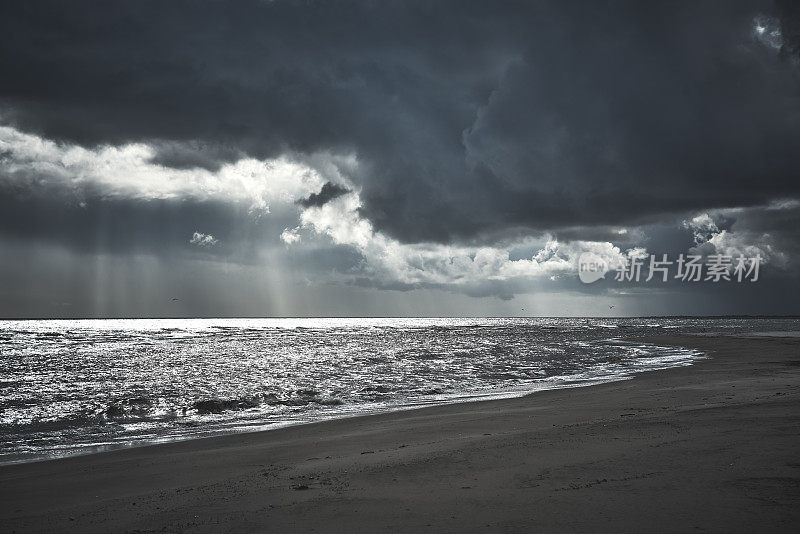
[710,448]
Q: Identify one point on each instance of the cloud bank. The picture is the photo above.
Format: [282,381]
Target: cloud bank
[470,147]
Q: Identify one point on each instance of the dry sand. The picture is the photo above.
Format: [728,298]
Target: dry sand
[713,447]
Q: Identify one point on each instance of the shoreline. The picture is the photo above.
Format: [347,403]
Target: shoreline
[711,445]
[467,399]
[534,388]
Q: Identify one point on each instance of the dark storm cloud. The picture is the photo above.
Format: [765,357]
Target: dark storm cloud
[789,16]
[467,118]
[328,192]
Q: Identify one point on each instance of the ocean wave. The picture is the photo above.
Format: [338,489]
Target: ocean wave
[298,398]
[72,421]
[135,407]
[224,405]
[150,380]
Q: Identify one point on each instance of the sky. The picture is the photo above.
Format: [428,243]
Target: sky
[398,158]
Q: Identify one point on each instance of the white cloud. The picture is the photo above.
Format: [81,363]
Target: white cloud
[710,239]
[702,226]
[390,262]
[291,236]
[747,244]
[126,171]
[767,31]
[203,240]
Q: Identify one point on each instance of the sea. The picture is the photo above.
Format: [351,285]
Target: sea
[79,386]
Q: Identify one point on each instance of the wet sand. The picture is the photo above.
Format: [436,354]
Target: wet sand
[713,447]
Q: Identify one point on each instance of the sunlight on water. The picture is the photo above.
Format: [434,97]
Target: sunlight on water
[72,386]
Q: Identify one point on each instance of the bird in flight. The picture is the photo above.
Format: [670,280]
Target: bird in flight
[611,307]
[174,298]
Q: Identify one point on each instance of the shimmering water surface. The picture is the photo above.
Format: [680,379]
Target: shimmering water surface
[76,386]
